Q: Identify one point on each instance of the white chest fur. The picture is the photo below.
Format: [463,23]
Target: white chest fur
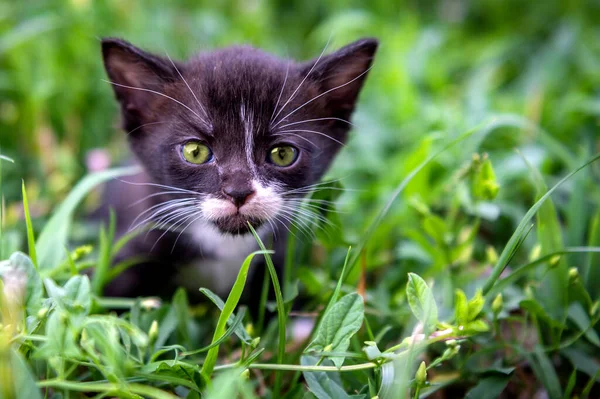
[223,255]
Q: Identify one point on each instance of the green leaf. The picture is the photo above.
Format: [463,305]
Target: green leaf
[30,234]
[475,305]
[399,189]
[60,338]
[20,266]
[582,320]
[21,383]
[552,292]
[591,272]
[339,324]
[232,300]
[515,239]
[53,237]
[421,301]
[78,293]
[461,308]
[324,385]
[489,387]
[545,372]
[240,331]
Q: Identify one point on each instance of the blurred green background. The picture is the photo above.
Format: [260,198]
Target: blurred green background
[443,67]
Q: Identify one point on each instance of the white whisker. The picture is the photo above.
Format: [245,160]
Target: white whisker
[157,93]
[319,96]
[301,83]
[191,91]
[316,120]
[310,131]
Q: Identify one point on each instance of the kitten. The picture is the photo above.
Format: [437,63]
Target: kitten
[230,137]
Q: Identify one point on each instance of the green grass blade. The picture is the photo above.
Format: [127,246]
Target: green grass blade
[30,234]
[384,211]
[553,288]
[281,313]
[515,238]
[54,235]
[591,272]
[230,305]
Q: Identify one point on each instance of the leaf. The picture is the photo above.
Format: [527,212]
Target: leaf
[17,373]
[399,189]
[21,264]
[53,237]
[591,272]
[60,338]
[322,384]
[78,293]
[475,305]
[230,305]
[342,321]
[421,301]
[545,372]
[30,234]
[515,239]
[461,308]
[240,331]
[552,292]
[489,387]
[582,320]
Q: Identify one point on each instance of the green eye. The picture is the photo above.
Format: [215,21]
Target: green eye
[196,152]
[283,156]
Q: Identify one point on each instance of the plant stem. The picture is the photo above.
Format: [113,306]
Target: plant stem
[107,387]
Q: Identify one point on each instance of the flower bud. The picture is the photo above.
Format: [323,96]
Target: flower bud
[421,376]
[497,304]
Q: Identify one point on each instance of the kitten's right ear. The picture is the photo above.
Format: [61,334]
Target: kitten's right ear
[134,75]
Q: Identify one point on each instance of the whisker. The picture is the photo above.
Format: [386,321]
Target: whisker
[287,70]
[321,95]
[157,93]
[302,82]
[299,136]
[144,125]
[190,89]
[311,131]
[158,212]
[156,195]
[316,120]
[159,185]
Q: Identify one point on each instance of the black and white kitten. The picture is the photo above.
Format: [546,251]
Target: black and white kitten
[230,137]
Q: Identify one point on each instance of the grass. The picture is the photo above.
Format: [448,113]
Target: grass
[453,265]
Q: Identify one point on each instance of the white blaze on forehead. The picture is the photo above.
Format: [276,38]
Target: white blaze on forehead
[246,117]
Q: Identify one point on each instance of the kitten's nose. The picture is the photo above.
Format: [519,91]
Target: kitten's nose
[238,194]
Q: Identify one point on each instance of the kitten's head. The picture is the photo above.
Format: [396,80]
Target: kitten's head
[243,129]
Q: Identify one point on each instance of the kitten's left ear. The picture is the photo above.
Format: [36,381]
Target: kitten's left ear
[342,74]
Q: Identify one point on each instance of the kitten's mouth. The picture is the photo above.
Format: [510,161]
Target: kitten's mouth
[237,224]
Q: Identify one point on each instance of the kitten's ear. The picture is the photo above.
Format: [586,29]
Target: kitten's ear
[342,74]
[134,74]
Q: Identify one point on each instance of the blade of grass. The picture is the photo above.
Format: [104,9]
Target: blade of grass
[553,289]
[230,305]
[30,234]
[54,234]
[515,238]
[281,313]
[591,272]
[384,211]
